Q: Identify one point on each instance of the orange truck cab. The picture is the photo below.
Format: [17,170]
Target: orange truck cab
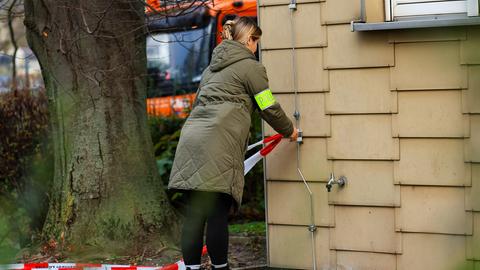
[180,42]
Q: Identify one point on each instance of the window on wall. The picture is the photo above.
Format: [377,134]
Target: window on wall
[397,10]
[403,14]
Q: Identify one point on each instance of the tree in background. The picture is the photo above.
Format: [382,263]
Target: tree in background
[106,191]
[12,6]
[11,15]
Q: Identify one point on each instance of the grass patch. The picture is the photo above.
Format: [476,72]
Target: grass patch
[257,228]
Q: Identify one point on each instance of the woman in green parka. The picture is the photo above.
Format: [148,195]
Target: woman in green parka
[208,163]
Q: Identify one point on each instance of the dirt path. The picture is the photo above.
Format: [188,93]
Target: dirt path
[247,251]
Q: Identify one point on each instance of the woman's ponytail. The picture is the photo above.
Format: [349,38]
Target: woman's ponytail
[227,32]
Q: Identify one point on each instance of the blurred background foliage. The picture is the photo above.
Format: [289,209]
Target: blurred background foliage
[26,171]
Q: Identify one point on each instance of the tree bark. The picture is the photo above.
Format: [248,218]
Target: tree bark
[106,191]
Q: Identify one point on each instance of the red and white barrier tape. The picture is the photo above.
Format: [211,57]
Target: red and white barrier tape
[78,266]
[75,266]
[180,265]
[255,158]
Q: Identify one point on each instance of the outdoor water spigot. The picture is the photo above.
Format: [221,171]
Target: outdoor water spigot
[340,182]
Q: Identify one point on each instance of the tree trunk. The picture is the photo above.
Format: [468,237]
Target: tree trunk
[14,43]
[106,191]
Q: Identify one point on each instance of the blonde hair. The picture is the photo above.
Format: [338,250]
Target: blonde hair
[241,29]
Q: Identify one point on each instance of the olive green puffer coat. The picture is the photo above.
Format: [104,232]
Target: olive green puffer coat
[213,140]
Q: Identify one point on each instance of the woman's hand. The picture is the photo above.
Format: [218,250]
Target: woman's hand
[294,135]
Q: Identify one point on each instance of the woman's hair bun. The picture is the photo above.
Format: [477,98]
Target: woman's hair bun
[227,32]
[241,29]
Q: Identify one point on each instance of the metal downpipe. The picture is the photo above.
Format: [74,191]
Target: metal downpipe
[311,228]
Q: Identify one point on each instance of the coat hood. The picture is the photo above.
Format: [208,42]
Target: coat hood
[227,53]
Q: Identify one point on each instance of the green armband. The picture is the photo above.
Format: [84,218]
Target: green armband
[265,99]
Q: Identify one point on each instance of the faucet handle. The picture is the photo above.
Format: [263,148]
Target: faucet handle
[342,181]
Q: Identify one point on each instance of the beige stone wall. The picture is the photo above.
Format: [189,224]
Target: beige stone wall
[396,112]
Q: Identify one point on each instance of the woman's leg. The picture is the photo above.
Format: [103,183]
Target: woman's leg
[192,233]
[217,231]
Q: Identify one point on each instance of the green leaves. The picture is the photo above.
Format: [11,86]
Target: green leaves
[164,166]
[165,152]
[165,132]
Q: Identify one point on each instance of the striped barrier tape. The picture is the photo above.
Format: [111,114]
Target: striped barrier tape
[255,158]
[180,265]
[78,266]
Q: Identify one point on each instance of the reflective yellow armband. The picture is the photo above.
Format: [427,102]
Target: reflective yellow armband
[265,99]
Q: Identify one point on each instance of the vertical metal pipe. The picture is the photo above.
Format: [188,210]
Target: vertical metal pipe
[311,228]
[293,7]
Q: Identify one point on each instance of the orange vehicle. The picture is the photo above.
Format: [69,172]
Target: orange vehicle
[180,43]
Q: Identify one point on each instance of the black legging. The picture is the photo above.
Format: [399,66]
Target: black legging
[211,208]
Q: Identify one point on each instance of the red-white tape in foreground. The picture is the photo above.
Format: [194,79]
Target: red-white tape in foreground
[180,265]
[76,266]
[255,158]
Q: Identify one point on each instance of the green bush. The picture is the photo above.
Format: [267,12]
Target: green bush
[23,123]
[165,133]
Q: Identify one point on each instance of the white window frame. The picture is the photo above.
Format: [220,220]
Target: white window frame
[408,9]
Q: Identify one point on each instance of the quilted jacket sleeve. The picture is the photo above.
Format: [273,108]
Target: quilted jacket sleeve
[256,83]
